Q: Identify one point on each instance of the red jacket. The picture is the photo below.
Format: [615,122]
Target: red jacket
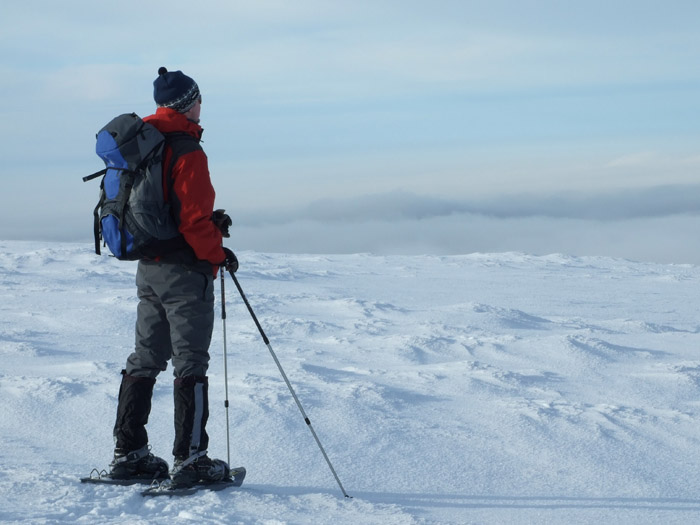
[192,188]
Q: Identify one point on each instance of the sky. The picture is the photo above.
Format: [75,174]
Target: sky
[380,126]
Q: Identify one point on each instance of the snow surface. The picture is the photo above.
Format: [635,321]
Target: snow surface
[485,388]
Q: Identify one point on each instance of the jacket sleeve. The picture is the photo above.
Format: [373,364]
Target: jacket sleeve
[195,194]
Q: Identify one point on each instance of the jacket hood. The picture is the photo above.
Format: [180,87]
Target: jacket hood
[168,120]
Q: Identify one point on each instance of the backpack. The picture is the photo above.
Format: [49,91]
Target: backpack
[133,216]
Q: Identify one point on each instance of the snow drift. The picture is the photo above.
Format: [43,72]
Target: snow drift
[485,388]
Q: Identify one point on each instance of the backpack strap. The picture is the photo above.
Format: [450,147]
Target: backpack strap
[127,183]
[180,143]
[96,213]
[94,175]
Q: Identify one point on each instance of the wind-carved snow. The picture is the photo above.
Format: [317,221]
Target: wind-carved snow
[485,388]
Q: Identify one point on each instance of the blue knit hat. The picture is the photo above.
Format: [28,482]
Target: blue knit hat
[175,90]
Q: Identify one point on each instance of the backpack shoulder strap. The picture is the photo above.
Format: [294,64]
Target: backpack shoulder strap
[180,143]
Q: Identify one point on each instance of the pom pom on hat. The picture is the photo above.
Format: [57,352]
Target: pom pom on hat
[175,90]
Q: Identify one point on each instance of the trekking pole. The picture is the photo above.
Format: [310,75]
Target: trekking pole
[289,385]
[223,318]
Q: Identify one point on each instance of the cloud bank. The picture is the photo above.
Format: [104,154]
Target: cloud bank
[657,224]
[630,203]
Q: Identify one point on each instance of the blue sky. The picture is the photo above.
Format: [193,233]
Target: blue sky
[377,109]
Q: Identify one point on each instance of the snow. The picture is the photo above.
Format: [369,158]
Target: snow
[484,388]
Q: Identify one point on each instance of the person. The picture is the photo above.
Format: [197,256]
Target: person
[175,313]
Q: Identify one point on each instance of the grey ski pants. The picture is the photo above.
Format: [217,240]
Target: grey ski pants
[175,319]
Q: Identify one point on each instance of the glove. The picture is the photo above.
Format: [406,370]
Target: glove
[230,264]
[222,221]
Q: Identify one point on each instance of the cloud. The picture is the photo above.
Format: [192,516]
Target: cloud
[627,203]
[94,83]
[657,224]
[634,160]
[663,239]
[613,205]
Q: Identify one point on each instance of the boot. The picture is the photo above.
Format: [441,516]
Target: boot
[137,464]
[198,468]
[132,457]
[192,465]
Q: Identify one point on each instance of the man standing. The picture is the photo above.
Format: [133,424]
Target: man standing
[175,315]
